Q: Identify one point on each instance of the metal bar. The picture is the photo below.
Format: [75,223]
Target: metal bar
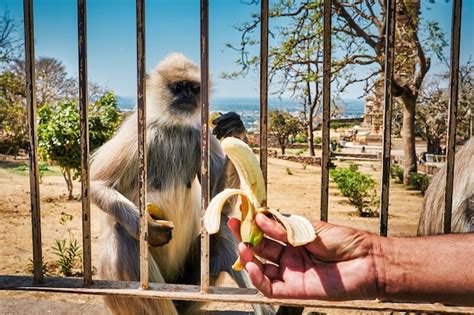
[85,170]
[142,145]
[325,161]
[192,293]
[264,90]
[205,183]
[387,113]
[32,129]
[453,112]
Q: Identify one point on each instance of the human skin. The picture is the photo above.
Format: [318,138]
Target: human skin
[348,264]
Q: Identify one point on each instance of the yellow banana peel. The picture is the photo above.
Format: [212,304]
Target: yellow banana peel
[253,196]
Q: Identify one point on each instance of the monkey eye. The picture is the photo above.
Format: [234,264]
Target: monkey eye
[195,87]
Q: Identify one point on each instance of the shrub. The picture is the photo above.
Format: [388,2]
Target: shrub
[419,181]
[396,172]
[300,152]
[289,171]
[67,250]
[358,187]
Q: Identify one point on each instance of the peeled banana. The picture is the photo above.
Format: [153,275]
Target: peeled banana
[253,196]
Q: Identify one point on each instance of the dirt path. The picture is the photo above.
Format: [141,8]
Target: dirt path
[298,193]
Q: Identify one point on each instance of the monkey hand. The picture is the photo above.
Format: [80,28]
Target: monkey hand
[159,232]
[228,125]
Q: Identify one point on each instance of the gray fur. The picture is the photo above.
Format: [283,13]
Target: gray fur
[173,141]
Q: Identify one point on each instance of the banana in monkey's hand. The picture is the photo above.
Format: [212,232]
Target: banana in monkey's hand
[253,196]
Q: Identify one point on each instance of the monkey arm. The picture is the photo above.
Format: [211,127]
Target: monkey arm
[110,164]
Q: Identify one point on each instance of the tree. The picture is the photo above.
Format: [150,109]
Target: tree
[53,84]
[282,125]
[10,39]
[432,114]
[295,57]
[13,130]
[358,40]
[59,133]
[365,22]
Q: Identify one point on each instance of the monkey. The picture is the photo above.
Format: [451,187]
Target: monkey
[432,216]
[173,169]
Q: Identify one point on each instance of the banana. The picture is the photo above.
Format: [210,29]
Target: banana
[253,196]
[154,211]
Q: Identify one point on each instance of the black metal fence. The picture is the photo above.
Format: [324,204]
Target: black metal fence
[204,292]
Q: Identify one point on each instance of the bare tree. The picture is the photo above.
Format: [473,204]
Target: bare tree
[10,39]
[52,80]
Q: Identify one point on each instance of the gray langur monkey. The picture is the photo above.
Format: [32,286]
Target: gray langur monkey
[173,140]
[432,216]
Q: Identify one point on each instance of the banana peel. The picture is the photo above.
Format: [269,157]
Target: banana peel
[252,194]
[156,215]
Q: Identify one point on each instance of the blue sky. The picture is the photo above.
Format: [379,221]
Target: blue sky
[172,25]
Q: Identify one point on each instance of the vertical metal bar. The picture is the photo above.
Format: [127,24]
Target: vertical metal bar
[264,89]
[453,111]
[326,109]
[34,172]
[205,184]
[83,106]
[142,145]
[387,113]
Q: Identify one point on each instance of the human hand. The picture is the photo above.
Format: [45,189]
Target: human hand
[341,264]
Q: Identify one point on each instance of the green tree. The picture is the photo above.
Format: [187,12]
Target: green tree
[59,133]
[13,130]
[281,125]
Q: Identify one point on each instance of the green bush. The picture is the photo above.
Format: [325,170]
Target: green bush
[396,172]
[358,187]
[289,171]
[419,181]
[300,152]
[317,140]
[300,138]
[67,251]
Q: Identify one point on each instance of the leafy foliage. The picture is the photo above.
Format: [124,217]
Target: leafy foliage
[396,172]
[67,250]
[419,181]
[282,124]
[59,132]
[358,187]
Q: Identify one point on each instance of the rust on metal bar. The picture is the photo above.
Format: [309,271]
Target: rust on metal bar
[32,131]
[264,89]
[193,293]
[85,170]
[325,160]
[142,145]
[205,183]
[453,112]
[387,112]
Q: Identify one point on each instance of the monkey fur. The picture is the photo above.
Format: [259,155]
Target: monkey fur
[173,146]
[432,217]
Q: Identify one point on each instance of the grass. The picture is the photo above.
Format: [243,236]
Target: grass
[20,168]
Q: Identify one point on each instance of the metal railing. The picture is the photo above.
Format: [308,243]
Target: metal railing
[204,292]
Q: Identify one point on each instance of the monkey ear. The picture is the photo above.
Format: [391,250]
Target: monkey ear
[228,125]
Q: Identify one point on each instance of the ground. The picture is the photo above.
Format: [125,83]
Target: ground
[297,193]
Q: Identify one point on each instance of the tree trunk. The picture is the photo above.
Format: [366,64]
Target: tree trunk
[408,135]
[69,184]
[310,132]
[433,146]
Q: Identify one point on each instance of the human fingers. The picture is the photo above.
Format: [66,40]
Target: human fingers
[267,249]
[255,270]
[271,227]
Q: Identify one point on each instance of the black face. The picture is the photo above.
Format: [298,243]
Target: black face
[186,95]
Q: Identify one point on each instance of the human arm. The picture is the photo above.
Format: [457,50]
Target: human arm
[348,264]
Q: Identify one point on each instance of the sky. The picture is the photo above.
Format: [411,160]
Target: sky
[171,25]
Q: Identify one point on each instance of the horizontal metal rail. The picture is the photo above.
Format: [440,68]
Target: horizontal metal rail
[215,294]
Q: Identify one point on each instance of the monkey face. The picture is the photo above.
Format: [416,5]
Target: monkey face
[185,96]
